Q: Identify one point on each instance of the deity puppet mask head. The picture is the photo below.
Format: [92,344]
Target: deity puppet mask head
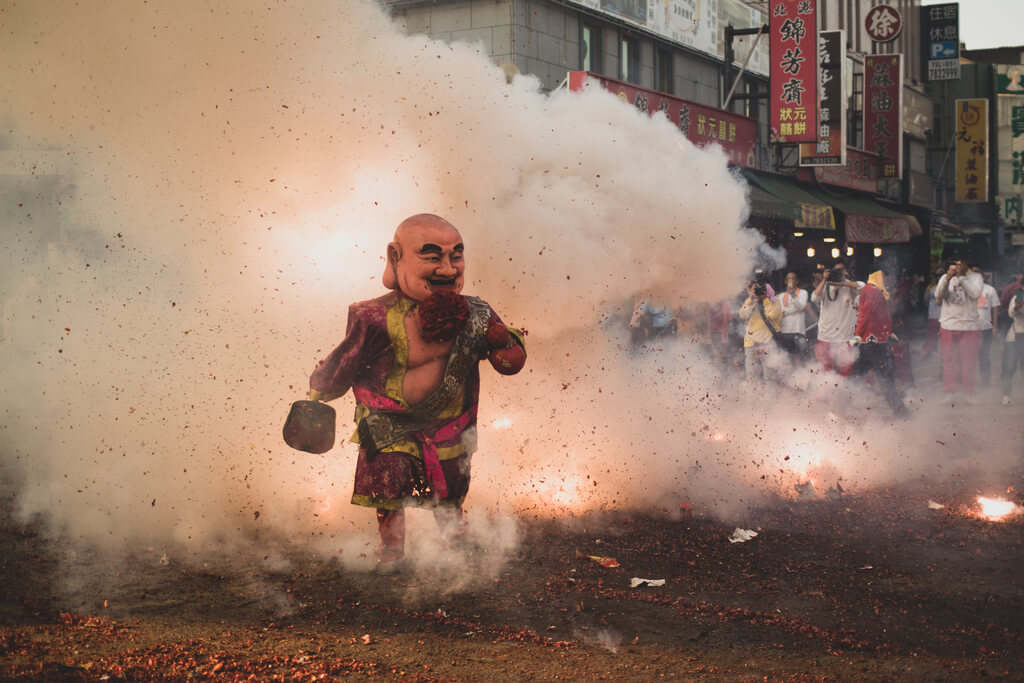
[425,258]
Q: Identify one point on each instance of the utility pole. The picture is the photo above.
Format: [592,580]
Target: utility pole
[730,57]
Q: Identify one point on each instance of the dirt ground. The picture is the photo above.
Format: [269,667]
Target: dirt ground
[867,586]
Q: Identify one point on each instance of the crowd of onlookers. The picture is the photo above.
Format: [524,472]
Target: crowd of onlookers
[849,327]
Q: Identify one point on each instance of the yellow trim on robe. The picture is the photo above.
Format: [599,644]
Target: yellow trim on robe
[395,322]
[367,501]
[400,346]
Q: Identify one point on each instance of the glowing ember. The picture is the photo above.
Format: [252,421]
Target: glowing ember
[556,493]
[502,423]
[997,508]
[569,493]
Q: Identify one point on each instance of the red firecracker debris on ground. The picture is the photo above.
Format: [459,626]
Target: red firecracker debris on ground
[876,585]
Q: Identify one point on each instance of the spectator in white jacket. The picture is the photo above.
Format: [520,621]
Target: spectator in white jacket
[837,320]
[793,327]
[958,292]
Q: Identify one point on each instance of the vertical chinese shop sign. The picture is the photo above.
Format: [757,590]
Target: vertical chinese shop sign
[972,150]
[1008,143]
[883,111]
[793,107]
[830,148]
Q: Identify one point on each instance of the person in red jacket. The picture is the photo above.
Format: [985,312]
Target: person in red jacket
[874,338]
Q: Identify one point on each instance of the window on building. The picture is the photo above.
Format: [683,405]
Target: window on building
[590,48]
[629,58]
[855,112]
[663,70]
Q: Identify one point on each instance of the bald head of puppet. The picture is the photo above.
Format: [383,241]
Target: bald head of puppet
[426,257]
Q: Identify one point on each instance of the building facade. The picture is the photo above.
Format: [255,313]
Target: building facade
[990,222]
[712,56]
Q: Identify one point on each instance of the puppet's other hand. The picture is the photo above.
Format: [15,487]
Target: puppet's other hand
[498,336]
[508,361]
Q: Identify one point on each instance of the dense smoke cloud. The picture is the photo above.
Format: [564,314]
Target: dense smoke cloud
[223,180]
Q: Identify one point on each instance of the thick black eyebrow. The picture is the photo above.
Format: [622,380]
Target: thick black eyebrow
[430,248]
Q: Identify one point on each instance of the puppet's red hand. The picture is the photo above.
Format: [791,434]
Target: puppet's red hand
[507,356]
[508,361]
[498,336]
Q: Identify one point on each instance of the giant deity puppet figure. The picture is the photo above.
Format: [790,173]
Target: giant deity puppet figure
[410,358]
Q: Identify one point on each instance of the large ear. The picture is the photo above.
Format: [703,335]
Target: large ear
[390,277]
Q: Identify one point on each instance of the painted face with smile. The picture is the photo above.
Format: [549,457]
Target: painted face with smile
[427,257]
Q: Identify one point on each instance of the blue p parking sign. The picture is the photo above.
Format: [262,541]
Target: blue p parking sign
[944,50]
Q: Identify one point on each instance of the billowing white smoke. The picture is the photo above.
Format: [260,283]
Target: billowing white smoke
[234,172]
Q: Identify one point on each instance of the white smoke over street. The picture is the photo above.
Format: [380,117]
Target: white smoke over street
[229,177]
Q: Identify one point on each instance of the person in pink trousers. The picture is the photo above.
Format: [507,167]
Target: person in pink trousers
[959,329]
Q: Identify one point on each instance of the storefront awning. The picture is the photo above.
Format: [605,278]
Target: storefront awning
[767,205]
[781,198]
[869,221]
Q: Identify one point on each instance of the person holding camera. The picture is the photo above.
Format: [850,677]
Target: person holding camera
[793,327]
[958,292]
[836,296]
[1013,349]
[762,317]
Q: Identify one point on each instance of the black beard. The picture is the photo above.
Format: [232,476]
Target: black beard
[443,316]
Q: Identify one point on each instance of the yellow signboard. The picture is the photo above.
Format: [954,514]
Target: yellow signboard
[972,150]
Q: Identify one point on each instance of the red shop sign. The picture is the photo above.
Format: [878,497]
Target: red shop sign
[793,94]
[702,125]
[883,23]
[883,111]
[860,172]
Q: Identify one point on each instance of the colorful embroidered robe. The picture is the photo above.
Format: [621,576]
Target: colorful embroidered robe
[431,466]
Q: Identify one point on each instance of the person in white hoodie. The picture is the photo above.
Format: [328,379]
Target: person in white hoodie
[959,328]
[837,297]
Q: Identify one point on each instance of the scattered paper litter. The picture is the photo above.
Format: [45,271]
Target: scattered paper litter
[932,505]
[609,562]
[635,582]
[742,535]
